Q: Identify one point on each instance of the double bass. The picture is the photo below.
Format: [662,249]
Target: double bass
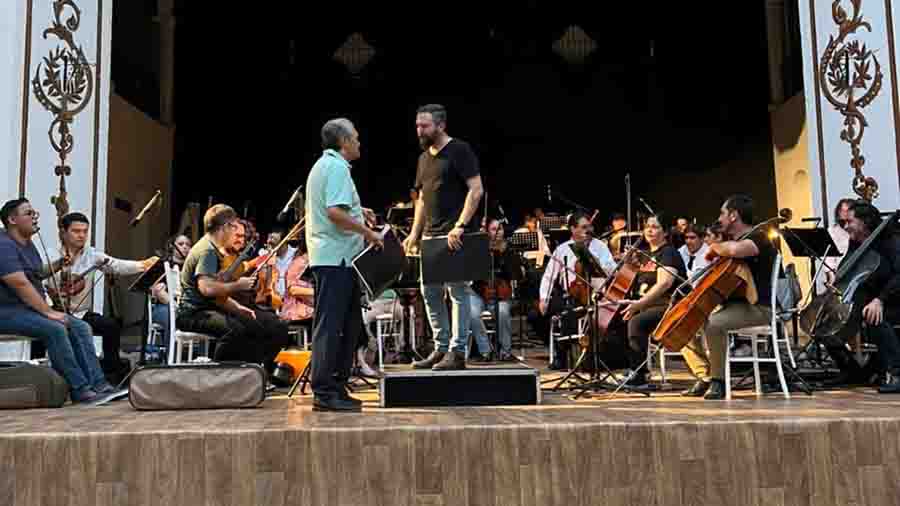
[835,316]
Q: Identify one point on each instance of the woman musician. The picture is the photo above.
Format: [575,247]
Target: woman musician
[507,268]
[661,268]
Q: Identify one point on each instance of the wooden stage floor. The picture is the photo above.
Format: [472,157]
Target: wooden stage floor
[834,448]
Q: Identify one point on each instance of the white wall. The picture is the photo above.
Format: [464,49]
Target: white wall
[12,59]
[829,155]
[87,184]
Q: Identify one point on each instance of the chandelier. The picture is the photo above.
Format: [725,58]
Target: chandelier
[355,53]
[575,45]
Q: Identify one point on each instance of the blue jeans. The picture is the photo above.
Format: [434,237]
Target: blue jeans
[71,349]
[161,317]
[504,325]
[446,337]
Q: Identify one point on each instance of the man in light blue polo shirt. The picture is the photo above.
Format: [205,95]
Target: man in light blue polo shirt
[335,232]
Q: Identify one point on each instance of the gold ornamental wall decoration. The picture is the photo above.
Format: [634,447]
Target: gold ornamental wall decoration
[64,85]
[851,78]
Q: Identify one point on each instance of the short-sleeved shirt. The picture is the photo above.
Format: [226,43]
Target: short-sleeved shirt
[441,180]
[15,257]
[761,265]
[329,185]
[203,260]
[647,277]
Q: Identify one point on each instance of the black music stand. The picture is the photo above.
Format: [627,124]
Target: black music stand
[813,243]
[400,216]
[143,284]
[521,242]
[379,268]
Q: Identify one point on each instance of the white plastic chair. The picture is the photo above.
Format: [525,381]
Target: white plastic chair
[774,332]
[178,338]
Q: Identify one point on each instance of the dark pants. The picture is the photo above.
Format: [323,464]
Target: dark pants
[336,327]
[242,339]
[111,332]
[639,328]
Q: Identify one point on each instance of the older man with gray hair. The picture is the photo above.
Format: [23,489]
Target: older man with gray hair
[335,232]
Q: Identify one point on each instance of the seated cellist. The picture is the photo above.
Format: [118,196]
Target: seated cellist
[735,217]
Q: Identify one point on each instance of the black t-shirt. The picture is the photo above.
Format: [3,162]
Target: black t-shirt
[884,283]
[646,278]
[761,265]
[441,180]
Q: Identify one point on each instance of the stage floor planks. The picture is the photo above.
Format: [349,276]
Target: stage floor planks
[835,448]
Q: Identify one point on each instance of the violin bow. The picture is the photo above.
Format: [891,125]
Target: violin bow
[290,235]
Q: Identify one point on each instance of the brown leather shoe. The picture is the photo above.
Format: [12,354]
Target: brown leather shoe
[428,363]
[452,361]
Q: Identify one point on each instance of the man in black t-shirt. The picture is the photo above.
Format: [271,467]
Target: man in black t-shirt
[735,216]
[449,182]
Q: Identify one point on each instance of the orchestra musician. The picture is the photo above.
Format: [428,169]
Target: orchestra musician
[657,279]
[449,180]
[177,249]
[336,231]
[507,268]
[881,298]
[244,334]
[24,310]
[77,299]
[563,266]
[736,218]
[693,252]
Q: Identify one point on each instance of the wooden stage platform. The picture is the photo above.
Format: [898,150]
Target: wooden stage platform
[835,448]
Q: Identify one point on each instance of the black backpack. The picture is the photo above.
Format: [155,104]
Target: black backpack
[24,385]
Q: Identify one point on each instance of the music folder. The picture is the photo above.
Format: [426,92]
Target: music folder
[377,268]
[442,265]
[150,277]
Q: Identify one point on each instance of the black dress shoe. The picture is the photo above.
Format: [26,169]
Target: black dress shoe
[334,404]
[452,361]
[699,388]
[428,363]
[716,390]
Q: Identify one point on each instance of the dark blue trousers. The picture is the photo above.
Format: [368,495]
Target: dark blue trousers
[336,328]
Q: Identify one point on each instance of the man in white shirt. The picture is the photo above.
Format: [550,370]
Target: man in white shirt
[78,300]
[582,232]
[693,252]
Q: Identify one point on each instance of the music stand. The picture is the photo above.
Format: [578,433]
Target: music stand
[400,216]
[524,241]
[147,280]
[379,268]
[813,243]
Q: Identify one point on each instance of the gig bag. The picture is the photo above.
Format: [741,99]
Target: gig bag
[24,385]
[212,385]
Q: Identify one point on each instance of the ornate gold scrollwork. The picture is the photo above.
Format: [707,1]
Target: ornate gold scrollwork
[847,68]
[64,85]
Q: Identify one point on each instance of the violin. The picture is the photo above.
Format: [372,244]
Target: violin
[234,267]
[71,284]
[266,283]
[496,288]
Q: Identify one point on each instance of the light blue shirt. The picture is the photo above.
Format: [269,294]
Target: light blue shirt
[329,184]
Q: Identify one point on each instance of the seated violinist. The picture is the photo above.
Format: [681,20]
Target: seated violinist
[563,263]
[82,261]
[507,268]
[207,303]
[660,272]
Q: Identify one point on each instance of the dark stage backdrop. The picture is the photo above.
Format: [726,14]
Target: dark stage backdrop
[662,98]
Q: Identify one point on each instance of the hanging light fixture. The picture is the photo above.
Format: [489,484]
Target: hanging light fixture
[575,45]
[355,53]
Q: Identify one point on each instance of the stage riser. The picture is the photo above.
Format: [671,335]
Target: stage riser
[808,463]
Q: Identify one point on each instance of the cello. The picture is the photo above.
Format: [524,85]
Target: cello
[717,282]
[836,315]
[618,288]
